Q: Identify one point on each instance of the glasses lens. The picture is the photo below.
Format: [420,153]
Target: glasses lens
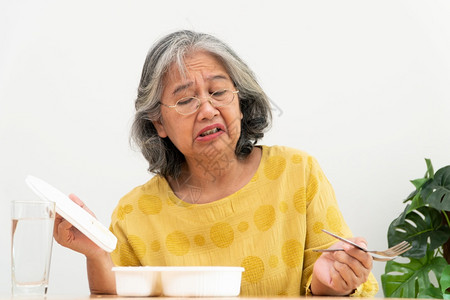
[188,105]
[222,97]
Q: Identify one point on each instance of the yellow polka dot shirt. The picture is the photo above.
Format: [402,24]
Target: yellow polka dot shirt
[269,227]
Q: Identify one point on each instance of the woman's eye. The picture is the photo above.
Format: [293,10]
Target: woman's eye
[185,101]
[219,93]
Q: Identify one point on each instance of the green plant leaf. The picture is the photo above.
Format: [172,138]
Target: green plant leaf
[430,171]
[420,186]
[418,183]
[416,203]
[437,193]
[421,182]
[445,282]
[423,233]
[401,218]
[411,195]
[430,293]
[405,280]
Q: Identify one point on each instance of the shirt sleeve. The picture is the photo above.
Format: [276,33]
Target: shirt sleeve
[124,254]
[323,213]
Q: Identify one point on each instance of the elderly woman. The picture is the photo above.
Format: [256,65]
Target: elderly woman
[217,198]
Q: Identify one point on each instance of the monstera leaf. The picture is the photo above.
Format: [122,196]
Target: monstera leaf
[441,292]
[437,192]
[423,228]
[420,184]
[425,224]
[445,282]
[405,280]
[416,202]
[430,293]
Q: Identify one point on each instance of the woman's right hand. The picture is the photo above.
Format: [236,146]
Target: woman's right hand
[69,236]
[99,263]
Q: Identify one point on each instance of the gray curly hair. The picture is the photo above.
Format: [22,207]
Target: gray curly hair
[163,157]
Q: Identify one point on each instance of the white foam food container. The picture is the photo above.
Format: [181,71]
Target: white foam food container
[137,281]
[202,281]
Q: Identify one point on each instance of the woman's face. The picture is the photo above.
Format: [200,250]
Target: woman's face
[210,130]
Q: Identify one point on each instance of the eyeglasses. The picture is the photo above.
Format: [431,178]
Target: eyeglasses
[189,105]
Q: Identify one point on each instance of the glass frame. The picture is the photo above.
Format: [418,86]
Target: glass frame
[199,102]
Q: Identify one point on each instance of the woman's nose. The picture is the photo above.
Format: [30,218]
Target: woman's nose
[207,109]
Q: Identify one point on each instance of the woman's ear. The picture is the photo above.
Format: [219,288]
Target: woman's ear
[160,128]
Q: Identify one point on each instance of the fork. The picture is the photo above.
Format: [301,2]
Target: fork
[386,255]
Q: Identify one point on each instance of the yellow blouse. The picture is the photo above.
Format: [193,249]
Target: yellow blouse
[269,227]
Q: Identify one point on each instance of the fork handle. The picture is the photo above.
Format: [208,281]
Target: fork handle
[374,257]
[344,240]
[339,249]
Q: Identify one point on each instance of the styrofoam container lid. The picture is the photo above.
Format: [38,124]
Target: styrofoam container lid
[74,214]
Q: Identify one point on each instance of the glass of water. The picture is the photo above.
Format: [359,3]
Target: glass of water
[31,246]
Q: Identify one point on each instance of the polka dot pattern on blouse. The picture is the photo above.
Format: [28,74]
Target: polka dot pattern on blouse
[269,227]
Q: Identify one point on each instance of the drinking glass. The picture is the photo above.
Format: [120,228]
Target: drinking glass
[31,246]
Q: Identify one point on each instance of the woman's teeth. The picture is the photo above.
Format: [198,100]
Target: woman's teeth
[209,132]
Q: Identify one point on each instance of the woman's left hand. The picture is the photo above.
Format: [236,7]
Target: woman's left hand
[341,272]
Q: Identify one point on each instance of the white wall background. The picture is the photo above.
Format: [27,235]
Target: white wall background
[362,85]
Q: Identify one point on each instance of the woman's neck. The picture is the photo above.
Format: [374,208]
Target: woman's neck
[210,178]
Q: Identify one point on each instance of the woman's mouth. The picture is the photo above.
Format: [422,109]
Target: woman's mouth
[208,132]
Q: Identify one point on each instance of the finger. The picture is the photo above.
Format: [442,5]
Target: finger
[360,241]
[78,201]
[351,268]
[350,251]
[62,232]
[349,279]
[58,220]
[65,226]
[363,257]
[338,282]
